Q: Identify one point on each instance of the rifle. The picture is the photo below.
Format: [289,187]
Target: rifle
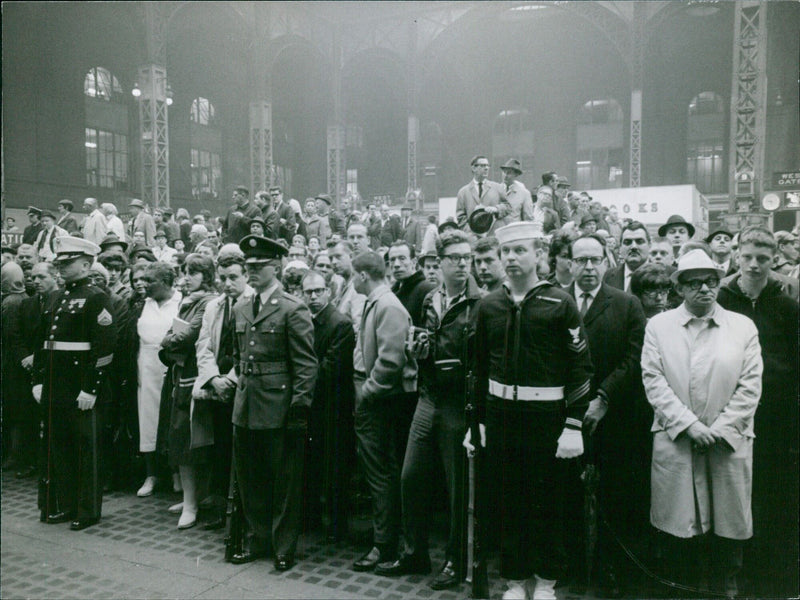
[476,560]
[234,513]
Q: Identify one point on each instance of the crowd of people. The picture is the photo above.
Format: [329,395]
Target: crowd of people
[262,361]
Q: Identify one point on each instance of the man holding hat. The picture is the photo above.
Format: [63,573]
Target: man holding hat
[517,194]
[276,369]
[31,232]
[701,368]
[481,193]
[68,375]
[95,226]
[677,231]
[44,243]
[533,378]
[65,219]
[141,221]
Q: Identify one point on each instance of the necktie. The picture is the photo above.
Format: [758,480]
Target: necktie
[256,305]
[225,351]
[585,303]
[42,239]
[480,189]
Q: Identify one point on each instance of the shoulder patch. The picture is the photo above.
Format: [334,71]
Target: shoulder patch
[104,318]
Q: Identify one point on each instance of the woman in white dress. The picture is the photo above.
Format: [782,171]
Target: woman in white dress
[160,309]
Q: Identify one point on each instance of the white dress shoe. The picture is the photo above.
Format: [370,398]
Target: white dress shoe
[515,591]
[176,509]
[147,487]
[545,589]
[188,519]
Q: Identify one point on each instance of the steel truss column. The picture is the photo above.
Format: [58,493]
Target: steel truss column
[413,138]
[337,184]
[261,171]
[413,122]
[638,42]
[154,135]
[748,106]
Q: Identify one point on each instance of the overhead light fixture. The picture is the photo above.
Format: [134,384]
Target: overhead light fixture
[90,144]
[169,95]
[702,8]
[583,162]
[136,91]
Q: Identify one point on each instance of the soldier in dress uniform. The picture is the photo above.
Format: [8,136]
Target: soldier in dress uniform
[277,370]
[533,378]
[68,374]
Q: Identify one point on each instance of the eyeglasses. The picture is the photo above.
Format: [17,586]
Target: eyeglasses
[653,294]
[482,165]
[457,258]
[585,260]
[632,241]
[315,292]
[696,284]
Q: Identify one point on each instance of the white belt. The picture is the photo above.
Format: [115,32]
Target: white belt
[68,346]
[522,392]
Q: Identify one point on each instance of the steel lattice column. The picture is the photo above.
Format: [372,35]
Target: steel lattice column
[337,186]
[748,105]
[261,171]
[636,59]
[154,135]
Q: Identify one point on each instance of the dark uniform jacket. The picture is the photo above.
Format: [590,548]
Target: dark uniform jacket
[540,343]
[334,342]
[79,342]
[411,291]
[31,232]
[451,344]
[276,365]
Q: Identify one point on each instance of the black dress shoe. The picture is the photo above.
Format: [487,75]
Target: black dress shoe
[60,517]
[284,562]
[369,561]
[247,556]
[214,524]
[407,564]
[79,524]
[446,578]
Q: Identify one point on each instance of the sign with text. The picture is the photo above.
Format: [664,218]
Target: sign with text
[786,180]
[11,237]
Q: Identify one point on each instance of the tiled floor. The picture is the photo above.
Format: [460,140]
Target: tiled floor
[136,551]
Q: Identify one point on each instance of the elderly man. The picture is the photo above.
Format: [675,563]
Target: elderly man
[95,226]
[141,221]
[701,368]
[519,198]
[114,224]
[480,192]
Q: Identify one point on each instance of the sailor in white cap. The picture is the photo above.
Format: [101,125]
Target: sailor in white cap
[533,375]
[701,369]
[69,373]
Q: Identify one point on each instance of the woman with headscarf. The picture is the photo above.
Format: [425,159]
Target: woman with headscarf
[190,434]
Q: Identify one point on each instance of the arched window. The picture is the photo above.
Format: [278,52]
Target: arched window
[600,152]
[202,111]
[705,138]
[206,149]
[100,83]
[106,131]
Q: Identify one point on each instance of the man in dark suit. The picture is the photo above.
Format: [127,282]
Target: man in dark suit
[276,373]
[330,454]
[616,425]
[286,216]
[633,253]
[481,192]
[31,232]
[413,228]
[237,221]
[65,219]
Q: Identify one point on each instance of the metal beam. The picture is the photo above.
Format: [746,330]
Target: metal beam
[154,135]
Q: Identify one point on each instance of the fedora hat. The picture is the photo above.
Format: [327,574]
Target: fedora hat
[695,260]
[512,164]
[480,221]
[675,220]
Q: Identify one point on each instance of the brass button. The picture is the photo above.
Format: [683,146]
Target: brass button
[252,343]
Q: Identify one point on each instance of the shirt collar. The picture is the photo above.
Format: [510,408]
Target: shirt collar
[685,317]
[264,296]
[580,292]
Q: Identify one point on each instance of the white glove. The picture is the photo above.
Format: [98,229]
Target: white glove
[86,401]
[596,411]
[570,443]
[27,362]
[37,393]
[467,443]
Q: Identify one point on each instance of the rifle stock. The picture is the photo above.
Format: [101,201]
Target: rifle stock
[479,577]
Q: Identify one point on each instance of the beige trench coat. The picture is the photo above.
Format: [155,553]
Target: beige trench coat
[715,378]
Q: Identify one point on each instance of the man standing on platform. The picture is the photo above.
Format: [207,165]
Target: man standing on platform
[143,222]
[68,375]
[533,378]
[65,219]
[277,370]
[237,222]
[31,232]
[384,376]
[519,198]
[480,192]
[45,241]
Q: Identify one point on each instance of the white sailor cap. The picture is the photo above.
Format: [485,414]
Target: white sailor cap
[68,247]
[522,230]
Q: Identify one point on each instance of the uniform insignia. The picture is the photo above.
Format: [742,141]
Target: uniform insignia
[104,318]
[253,243]
[76,303]
[576,335]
